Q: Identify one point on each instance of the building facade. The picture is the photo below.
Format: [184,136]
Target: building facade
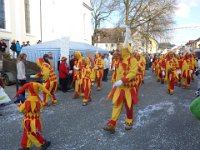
[33,20]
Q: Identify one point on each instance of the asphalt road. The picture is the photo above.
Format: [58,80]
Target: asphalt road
[162,121]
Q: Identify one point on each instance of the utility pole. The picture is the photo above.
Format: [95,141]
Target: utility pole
[41,19]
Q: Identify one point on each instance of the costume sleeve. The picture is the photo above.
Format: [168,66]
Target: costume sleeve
[133,70]
[22,89]
[43,89]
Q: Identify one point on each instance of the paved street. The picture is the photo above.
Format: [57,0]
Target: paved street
[162,122]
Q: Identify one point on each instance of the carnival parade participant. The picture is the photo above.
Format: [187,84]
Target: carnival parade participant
[179,69]
[171,66]
[88,76]
[99,68]
[186,70]
[77,73]
[123,92]
[49,78]
[32,120]
[115,61]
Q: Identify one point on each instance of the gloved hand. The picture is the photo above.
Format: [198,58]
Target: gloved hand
[76,68]
[163,73]
[70,72]
[32,76]
[118,83]
[191,71]
[179,71]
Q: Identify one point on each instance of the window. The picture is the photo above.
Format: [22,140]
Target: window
[2,15]
[27,16]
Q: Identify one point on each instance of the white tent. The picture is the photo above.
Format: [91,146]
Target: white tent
[60,47]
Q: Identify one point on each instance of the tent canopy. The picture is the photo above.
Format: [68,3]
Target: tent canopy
[73,46]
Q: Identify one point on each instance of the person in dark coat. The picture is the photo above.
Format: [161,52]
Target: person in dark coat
[63,74]
[13,47]
[3,47]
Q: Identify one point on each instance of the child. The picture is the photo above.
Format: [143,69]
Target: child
[32,121]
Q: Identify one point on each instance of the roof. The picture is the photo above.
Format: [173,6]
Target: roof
[110,35]
[56,44]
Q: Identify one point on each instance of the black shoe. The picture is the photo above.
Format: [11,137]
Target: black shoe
[1,115]
[84,104]
[45,145]
[24,149]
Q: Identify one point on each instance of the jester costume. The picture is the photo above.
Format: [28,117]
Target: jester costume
[179,69]
[162,64]
[115,61]
[171,66]
[186,70]
[87,80]
[124,91]
[99,68]
[49,79]
[32,121]
[141,70]
[77,73]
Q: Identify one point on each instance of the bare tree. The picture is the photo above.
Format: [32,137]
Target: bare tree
[102,9]
[152,18]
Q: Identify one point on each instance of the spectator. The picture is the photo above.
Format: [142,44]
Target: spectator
[23,44]
[106,67]
[3,47]
[13,48]
[21,71]
[27,43]
[63,74]
[18,48]
[39,41]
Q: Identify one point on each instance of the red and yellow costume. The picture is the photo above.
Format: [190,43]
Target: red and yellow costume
[179,70]
[158,69]
[31,109]
[77,73]
[194,65]
[141,70]
[162,64]
[124,94]
[171,66]
[99,68]
[186,70]
[49,79]
[115,61]
[87,80]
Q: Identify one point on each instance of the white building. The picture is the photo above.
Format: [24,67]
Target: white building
[33,20]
